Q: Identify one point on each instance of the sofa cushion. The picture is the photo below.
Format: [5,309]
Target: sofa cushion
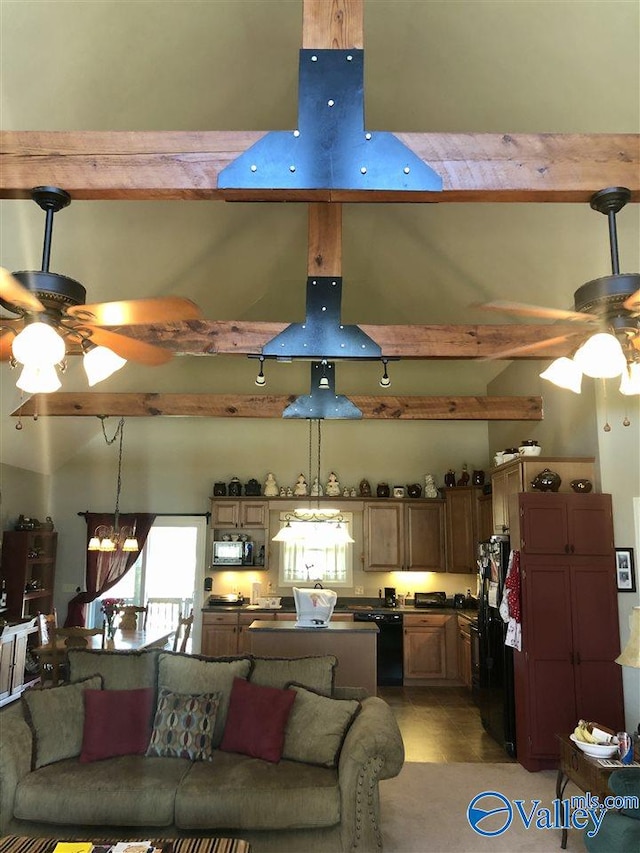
[316,673]
[256,720]
[116,722]
[56,718]
[626,783]
[130,790]
[183,725]
[183,673]
[255,794]
[317,727]
[119,670]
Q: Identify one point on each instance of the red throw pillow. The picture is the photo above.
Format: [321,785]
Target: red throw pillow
[116,722]
[256,720]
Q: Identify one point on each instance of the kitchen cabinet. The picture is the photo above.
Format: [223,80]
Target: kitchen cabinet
[239,513]
[13,652]
[219,634]
[485,517]
[29,567]
[462,528]
[244,620]
[404,535]
[516,476]
[464,651]
[430,652]
[566,668]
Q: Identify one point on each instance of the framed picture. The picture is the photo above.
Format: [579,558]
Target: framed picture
[625,570]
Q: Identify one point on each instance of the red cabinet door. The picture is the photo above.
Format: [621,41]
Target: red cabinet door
[566,524]
[590,525]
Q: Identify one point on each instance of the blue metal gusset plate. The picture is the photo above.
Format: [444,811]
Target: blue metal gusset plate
[330,148]
[322,402]
[322,335]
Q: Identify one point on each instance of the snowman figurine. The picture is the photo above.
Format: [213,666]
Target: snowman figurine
[430,490]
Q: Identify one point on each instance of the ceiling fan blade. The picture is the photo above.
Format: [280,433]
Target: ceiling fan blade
[6,339]
[129,348]
[632,303]
[525,310]
[12,292]
[545,342]
[133,312]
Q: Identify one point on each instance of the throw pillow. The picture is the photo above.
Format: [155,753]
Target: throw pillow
[56,718]
[317,727]
[183,725]
[256,720]
[183,673]
[120,670]
[315,672]
[116,722]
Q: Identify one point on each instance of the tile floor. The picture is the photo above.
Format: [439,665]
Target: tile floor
[441,724]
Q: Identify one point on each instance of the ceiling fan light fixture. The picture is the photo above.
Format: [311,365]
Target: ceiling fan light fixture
[601,356]
[38,379]
[100,362]
[630,383]
[565,373]
[38,344]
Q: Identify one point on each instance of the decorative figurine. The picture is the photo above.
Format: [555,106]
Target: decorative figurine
[345,492]
[430,490]
[333,486]
[300,488]
[365,489]
[270,488]
[464,477]
[450,478]
[316,489]
[289,492]
[283,492]
[352,493]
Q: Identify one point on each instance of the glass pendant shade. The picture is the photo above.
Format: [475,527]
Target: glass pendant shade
[100,362]
[286,534]
[94,544]
[630,383]
[601,357]
[564,373]
[38,379]
[38,344]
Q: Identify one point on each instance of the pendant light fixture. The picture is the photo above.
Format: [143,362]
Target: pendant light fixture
[115,537]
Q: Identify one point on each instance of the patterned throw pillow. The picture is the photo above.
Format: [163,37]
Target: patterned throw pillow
[183,725]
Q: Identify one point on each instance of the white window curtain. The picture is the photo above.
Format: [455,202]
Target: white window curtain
[311,559]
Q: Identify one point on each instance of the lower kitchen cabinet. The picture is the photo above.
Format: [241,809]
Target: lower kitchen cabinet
[464,651]
[430,649]
[219,634]
[13,654]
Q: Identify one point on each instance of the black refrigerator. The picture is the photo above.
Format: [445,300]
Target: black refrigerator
[493,685]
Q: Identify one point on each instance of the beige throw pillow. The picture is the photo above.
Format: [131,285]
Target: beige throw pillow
[317,727]
[316,672]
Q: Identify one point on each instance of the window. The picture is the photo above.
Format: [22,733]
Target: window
[313,559]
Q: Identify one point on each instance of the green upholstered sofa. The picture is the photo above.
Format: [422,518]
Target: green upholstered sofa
[619,831]
[289,805]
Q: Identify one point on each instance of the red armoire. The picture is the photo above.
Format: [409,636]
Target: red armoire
[566,668]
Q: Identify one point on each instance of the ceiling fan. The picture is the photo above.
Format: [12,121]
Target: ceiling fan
[54,318]
[611,302]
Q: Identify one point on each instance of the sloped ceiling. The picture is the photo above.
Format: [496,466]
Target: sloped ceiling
[479,66]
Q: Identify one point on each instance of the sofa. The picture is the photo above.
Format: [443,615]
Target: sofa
[619,831]
[157,744]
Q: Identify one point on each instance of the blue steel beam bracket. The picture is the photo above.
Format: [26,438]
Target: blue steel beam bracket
[330,148]
[322,402]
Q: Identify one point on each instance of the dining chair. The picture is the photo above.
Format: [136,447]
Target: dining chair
[76,637]
[44,652]
[183,632]
[130,620]
[163,613]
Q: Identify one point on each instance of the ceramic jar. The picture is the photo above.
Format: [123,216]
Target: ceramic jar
[383,490]
[581,485]
[546,481]
[235,488]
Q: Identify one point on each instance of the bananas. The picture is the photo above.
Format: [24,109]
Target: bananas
[582,733]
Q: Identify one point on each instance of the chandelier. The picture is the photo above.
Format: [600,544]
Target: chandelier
[114,537]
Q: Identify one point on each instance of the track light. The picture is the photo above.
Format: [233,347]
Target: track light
[260,378]
[385,382]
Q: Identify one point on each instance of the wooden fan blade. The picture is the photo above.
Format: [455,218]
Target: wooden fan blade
[6,339]
[545,342]
[133,312]
[128,348]
[537,311]
[12,292]
[632,303]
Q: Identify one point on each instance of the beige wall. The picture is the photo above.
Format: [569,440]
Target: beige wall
[23,492]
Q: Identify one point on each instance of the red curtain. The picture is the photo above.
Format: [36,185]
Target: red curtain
[105,568]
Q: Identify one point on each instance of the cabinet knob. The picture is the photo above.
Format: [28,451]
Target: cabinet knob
[566,549]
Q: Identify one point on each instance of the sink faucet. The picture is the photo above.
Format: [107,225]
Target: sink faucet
[318,585]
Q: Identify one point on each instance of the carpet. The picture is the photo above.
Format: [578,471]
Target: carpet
[424,809]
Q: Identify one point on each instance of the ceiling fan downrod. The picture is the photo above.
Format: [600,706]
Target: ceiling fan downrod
[609,202]
[51,200]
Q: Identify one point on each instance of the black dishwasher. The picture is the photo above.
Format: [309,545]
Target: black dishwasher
[389,645]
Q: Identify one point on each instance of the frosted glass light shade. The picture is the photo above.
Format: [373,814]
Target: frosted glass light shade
[39,379]
[630,383]
[101,362]
[601,356]
[38,344]
[564,373]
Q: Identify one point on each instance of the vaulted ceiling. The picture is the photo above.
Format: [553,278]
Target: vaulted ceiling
[481,66]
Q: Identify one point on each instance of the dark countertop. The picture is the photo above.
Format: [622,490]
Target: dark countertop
[332,627]
[347,608]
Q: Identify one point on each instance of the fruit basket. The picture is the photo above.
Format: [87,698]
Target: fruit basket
[594,740]
[596,750]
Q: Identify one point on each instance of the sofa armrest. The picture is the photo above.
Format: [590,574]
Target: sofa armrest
[372,750]
[15,759]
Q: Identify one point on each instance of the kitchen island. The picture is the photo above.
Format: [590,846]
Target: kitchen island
[353,643]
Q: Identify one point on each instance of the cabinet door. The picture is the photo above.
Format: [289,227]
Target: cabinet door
[244,637]
[590,525]
[19,660]
[6,667]
[485,517]
[219,634]
[544,524]
[425,536]
[254,513]
[503,485]
[384,539]
[464,652]
[461,529]
[425,652]
[225,513]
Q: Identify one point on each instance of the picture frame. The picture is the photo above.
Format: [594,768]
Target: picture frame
[625,570]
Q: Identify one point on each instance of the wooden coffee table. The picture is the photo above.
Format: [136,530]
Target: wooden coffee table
[22,844]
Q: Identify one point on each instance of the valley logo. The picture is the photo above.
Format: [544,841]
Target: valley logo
[491,813]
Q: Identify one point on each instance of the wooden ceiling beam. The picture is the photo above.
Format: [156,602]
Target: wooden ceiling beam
[233,337]
[475,167]
[95,404]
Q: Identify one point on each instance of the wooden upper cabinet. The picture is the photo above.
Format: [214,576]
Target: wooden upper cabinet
[404,535]
[239,513]
[384,536]
[425,536]
[462,530]
[575,524]
[485,517]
